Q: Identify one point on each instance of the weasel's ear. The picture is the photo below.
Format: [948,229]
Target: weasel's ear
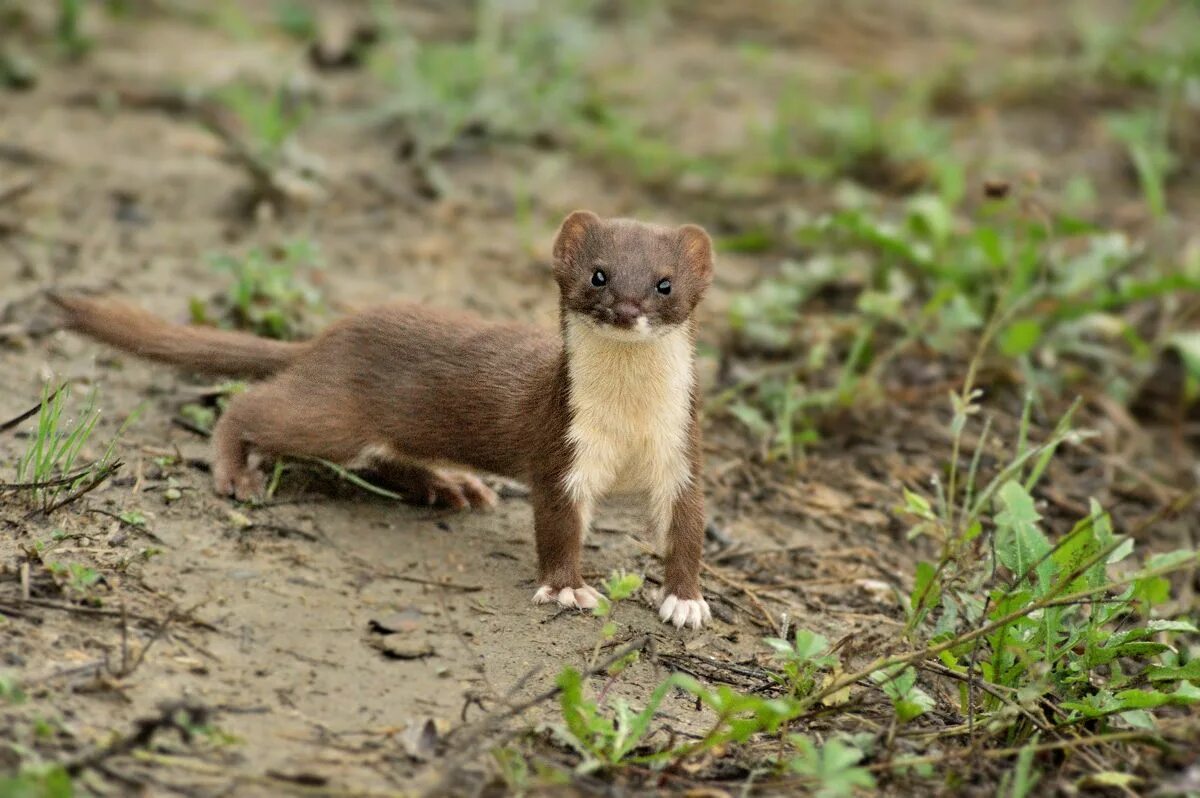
[572,235]
[697,250]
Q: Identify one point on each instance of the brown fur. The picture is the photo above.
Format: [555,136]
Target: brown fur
[410,388]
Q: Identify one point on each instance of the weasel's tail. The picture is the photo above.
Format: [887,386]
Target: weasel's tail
[203,349]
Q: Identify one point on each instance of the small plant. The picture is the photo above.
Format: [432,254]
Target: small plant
[202,414]
[69,28]
[900,685]
[273,293]
[1145,136]
[802,660]
[296,20]
[10,689]
[73,576]
[49,467]
[605,741]
[1050,621]
[519,77]
[268,119]
[890,146]
[45,781]
[930,282]
[833,767]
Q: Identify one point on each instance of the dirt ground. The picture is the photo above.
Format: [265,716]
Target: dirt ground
[266,615]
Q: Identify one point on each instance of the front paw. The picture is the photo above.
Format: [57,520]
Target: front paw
[576,598]
[245,485]
[684,612]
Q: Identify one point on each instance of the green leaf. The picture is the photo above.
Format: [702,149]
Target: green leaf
[1023,777]
[810,644]
[1019,542]
[579,714]
[631,729]
[752,418]
[1080,545]
[622,585]
[1171,560]
[900,685]
[833,766]
[925,592]
[1187,344]
[918,505]
[1164,673]
[1153,590]
[1020,337]
[1110,779]
[1141,699]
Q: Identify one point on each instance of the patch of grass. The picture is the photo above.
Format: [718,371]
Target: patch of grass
[203,414]
[274,292]
[1145,136]
[519,77]
[38,782]
[74,576]
[1018,642]
[296,20]
[879,137]
[69,28]
[927,282]
[49,468]
[268,118]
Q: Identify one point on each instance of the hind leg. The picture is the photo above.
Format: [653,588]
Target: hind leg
[277,418]
[433,486]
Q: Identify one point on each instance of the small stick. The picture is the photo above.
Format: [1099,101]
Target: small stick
[49,483]
[517,709]
[25,581]
[432,582]
[52,605]
[144,731]
[192,427]
[158,633]
[140,528]
[287,531]
[16,190]
[750,594]
[98,480]
[12,422]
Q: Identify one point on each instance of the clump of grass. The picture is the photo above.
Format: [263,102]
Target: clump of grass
[890,146]
[273,292]
[1145,136]
[259,126]
[926,282]
[49,468]
[68,29]
[269,119]
[518,77]
[296,20]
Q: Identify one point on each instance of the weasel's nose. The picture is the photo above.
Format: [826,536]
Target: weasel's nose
[625,313]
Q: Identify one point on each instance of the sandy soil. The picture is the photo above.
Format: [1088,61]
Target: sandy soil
[265,614]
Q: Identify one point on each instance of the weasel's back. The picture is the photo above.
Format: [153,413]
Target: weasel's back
[450,385]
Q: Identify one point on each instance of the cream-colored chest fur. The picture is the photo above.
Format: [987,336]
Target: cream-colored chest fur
[631,411]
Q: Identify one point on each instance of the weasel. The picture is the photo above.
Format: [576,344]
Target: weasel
[608,407]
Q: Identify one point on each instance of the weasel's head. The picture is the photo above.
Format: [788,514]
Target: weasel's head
[630,280]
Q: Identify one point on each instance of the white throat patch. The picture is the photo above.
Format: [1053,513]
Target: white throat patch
[631,406]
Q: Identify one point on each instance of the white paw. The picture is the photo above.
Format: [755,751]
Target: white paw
[684,612]
[577,598]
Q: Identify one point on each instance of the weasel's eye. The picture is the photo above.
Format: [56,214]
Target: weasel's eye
[664,287]
[599,278]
